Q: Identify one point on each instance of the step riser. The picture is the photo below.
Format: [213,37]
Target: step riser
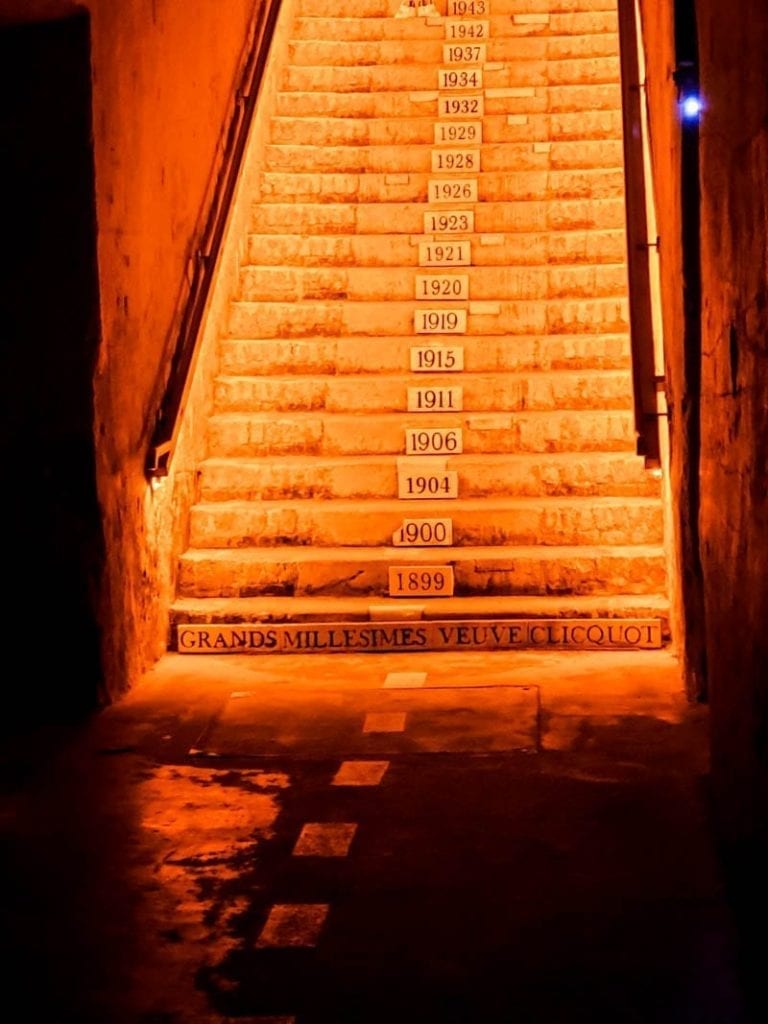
[588,575]
[494,159]
[384,9]
[359,29]
[341,435]
[246,526]
[286,320]
[608,390]
[525,74]
[313,131]
[524,250]
[318,53]
[378,284]
[274,480]
[391,355]
[412,188]
[423,103]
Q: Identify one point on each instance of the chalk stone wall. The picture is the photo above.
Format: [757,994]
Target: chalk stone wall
[163,75]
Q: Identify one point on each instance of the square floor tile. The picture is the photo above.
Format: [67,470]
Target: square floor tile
[360,773]
[404,680]
[385,721]
[325,839]
[293,925]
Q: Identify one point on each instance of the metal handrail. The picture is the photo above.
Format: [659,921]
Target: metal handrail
[204,259]
[644,379]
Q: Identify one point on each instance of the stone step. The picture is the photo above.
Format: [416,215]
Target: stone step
[526,251]
[333,52]
[298,571]
[303,319]
[512,200]
[359,29]
[417,159]
[385,9]
[407,77]
[500,521]
[544,185]
[389,355]
[527,99]
[406,131]
[561,389]
[257,434]
[397,284]
[375,477]
[275,609]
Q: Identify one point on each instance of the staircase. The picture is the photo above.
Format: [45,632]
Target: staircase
[423,408]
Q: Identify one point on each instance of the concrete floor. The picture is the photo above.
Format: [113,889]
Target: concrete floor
[532,846]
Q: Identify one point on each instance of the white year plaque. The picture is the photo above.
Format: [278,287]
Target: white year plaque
[466,160]
[421,581]
[424,533]
[442,286]
[440,321]
[434,441]
[458,131]
[464,53]
[444,254]
[433,399]
[449,221]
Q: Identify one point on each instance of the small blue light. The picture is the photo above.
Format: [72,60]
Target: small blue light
[691,107]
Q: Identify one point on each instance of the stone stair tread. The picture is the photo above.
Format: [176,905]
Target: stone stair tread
[385,8]
[403,418]
[606,313]
[362,461]
[339,609]
[569,21]
[553,46]
[457,505]
[416,129]
[398,103]
[424,378]
[427,556]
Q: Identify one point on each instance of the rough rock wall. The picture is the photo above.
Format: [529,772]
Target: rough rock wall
[734,414]
[720,426]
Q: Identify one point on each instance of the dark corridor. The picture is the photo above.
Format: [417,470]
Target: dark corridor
[50,325]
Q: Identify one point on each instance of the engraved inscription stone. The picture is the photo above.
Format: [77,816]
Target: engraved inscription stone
[421,581]
[440,321]
[458,131]
[452,191]
[434,440]
[459,78]
[442,286]
[435,399]
[429,358]
[444,254]
[424,533]
[464,53]
[465,160]
[460,106]
[437,635]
